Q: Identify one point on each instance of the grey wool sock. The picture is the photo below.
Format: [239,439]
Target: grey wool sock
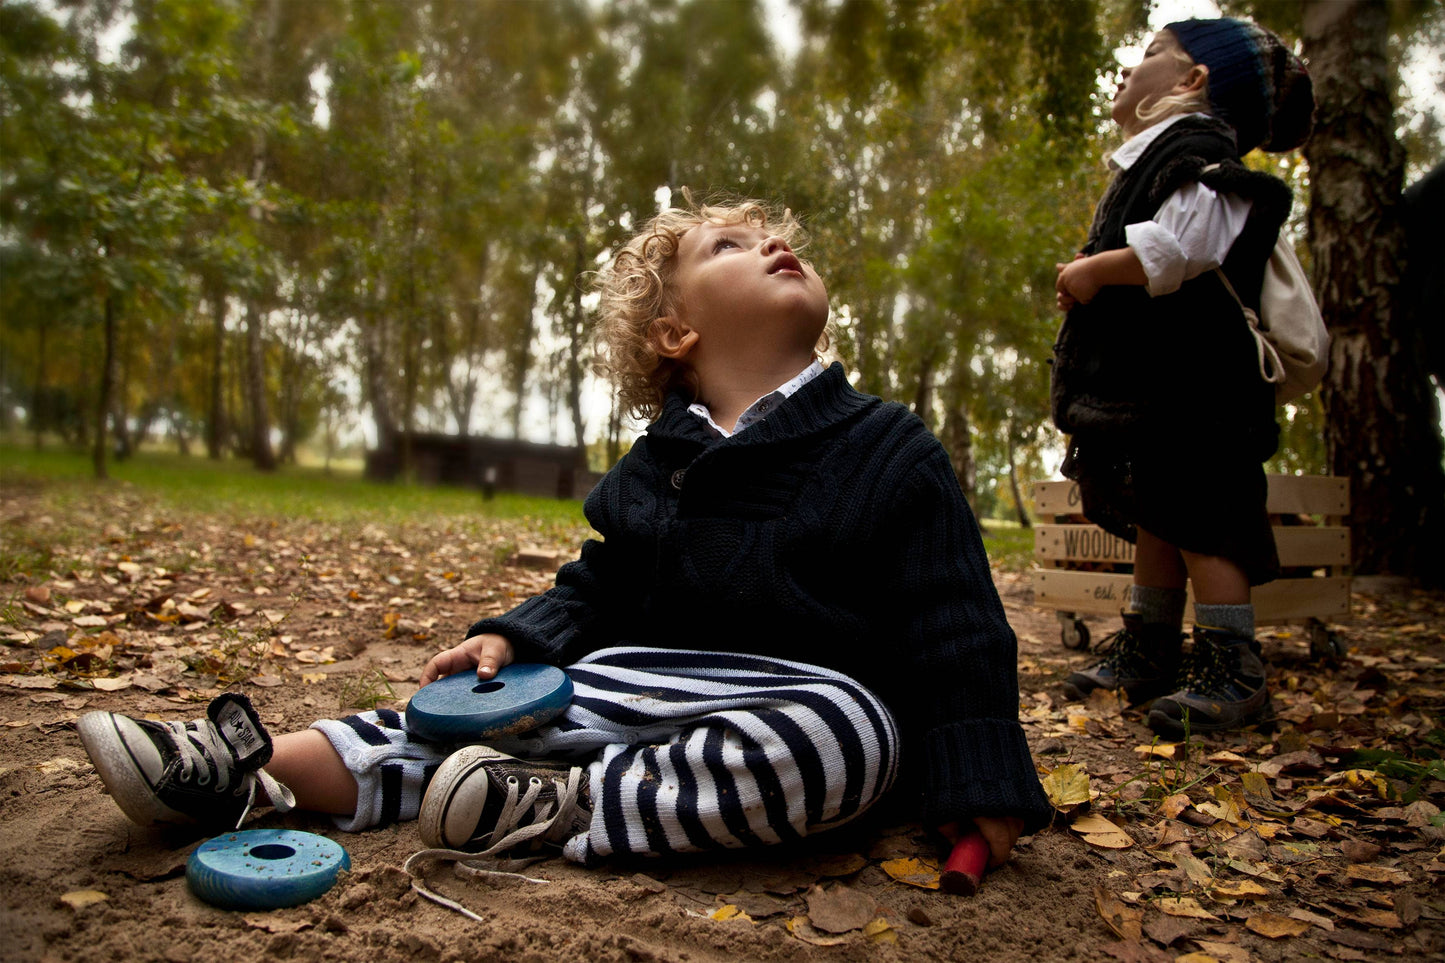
[1238,620]
[1157,606]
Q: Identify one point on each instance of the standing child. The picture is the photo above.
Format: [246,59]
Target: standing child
[788,612]
[1155,374]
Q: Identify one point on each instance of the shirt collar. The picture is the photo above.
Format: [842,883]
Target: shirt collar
[1134,148]
[759,409]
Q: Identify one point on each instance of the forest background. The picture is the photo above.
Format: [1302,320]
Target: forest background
[241,226]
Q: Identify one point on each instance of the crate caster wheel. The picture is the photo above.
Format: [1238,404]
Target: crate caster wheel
[1073,632]
[1326,644]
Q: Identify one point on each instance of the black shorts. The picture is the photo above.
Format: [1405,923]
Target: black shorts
[1211,504]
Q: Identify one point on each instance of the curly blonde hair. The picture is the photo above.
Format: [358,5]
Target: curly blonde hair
[637,291]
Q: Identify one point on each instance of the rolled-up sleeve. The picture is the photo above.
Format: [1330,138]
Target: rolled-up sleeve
[1191,233]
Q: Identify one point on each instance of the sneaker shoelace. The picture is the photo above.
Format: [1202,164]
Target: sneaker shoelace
[199,745]
[510,832]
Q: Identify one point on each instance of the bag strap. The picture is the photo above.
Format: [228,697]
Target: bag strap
[1271,366]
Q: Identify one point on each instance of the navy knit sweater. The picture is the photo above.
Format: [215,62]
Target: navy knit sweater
[833,533]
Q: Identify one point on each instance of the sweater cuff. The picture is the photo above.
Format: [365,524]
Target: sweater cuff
[982,767]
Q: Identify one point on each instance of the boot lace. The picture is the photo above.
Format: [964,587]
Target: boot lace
[1120,650]
[1209,669]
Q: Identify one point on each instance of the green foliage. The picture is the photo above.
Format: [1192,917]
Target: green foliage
[386,206]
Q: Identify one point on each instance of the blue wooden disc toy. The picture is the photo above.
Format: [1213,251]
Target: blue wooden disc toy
[463,708]
[264,869]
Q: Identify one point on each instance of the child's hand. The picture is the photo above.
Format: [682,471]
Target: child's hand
[1076,283]
[487,652]
[1000,832]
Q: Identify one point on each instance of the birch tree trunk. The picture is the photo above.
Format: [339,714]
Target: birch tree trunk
[1382,428]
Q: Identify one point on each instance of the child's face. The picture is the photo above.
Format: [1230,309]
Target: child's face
[742,289]
[1165,66]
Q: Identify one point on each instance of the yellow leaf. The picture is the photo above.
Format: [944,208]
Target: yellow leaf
[1066,786]
[1275,926]
[1195,868]
[1156,750]
[1098,831]
[1243,889]
[1220,952]
[1185,906]
[81,898]
[881,931]
[112,685]
[312,678]
[729,912]
[922,873]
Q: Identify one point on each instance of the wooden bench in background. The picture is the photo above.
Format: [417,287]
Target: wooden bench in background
[1083,570]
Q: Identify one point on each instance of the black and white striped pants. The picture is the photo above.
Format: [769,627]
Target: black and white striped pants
[685,751]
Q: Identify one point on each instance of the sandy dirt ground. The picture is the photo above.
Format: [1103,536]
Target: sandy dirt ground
[79,882]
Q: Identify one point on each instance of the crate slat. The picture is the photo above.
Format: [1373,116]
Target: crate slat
[1288,495]
[1299,545]
[1283,600]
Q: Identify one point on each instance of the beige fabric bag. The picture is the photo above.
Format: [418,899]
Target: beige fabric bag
[1289,332]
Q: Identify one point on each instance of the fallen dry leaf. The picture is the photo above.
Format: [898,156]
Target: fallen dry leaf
[1376,874]
[1274,926]
[1067,786]
[1222,952]
[839,908]
[1156,750]
[922,873]
[728,912]
[1185,906]
[81,898]
[1124,920]
[1098,831]
[1239,889]
[800,927]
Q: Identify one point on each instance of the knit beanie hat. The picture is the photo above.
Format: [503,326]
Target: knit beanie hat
[1256,84]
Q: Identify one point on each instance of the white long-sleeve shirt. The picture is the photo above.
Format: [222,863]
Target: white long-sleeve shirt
[1193,229]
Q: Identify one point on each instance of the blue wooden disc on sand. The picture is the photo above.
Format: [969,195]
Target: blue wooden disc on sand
[263,869]
[463,708]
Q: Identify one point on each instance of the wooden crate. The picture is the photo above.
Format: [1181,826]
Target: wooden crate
[1083,570]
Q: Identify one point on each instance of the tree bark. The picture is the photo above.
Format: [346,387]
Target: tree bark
[577,336]
[262,455]
[216,418]
[107,389]
[1020,510]
[1381,424]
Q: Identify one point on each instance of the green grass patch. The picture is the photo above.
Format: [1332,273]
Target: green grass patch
[1010,546]
[231,485]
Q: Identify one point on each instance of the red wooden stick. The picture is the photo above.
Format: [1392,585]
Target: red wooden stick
[966,864]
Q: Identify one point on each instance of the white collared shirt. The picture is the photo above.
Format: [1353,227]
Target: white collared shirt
[1193,229]
[759,409]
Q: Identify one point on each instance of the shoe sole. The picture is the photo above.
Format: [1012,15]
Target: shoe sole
[1165,725]
[439,792]
[1075,693]
[120,772]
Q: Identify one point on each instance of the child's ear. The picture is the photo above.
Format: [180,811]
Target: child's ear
[672,338]
[1195,79]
